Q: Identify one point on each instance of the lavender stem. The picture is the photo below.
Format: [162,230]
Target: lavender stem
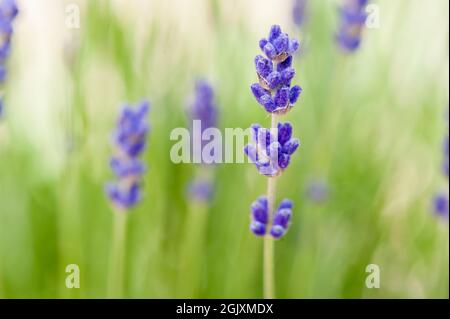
[268,280]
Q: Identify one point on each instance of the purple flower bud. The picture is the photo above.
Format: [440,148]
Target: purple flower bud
[281,219]
[275,32]
[294,94]
[277,231]
[259,210]
[273,151]
[274,80]
[259,216]
[284,132]
[270,50]
[291,146]
[282,98]
[263,66]
[287,75]
[258,228]
[281,43]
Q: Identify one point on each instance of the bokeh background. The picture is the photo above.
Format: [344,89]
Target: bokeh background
[371,126]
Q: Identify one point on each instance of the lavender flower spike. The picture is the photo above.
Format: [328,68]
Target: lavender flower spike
[353,18]
[130,139]
[8,12]
[204,109]
[281,219]
[272,150]
[259,216]
[275,73]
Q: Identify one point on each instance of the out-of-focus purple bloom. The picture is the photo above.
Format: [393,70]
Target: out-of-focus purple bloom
[318,191]
[259,218]
[275,73]
[8,11]
[298,12]
[441,204]
[130,139]
[272,150]
[203,107]
[353,18]
[200,190]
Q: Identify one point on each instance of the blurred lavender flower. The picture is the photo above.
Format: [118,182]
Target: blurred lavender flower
[204,109]
[353,18]
[8,11]
[440,201]
[298,12]
[272,150]
[200,190]
[130,139]
[318,191]
[275,73]
[281,219]
[441,204]
[260,218]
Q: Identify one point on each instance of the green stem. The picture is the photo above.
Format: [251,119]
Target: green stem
[268,258]
[116,270]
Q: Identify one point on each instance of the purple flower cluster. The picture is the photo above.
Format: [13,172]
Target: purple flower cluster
[260,218]
[353,18]
[8,11]
[275,73]
[204,109]
[130,139]
[318,191]
[272,150]
[298,12]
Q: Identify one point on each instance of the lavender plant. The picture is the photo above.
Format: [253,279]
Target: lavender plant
[8,12]
[130,140]
[204,109]
[272,148]
[353,18]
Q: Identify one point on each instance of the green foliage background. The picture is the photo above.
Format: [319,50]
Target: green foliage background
[371,124]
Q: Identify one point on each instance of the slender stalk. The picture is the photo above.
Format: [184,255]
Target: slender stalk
[268,258]
[116,270]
